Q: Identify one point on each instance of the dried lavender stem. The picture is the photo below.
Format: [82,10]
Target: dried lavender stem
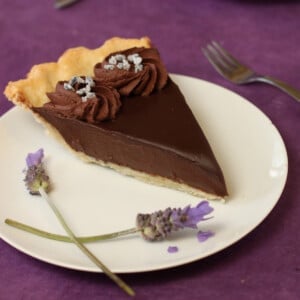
[63,238]
[85,250]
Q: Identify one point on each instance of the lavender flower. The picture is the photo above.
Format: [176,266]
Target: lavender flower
[36,176]
[159,225]
[35,158]
[202,236]
[191,216]
[172,249]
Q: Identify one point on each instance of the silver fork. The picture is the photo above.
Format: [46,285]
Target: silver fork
[63,3]
[236,72]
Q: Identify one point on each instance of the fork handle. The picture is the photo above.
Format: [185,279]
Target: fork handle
[281,85]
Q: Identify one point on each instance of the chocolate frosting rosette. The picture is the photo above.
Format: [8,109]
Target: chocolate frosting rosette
[135,71]
[85,99]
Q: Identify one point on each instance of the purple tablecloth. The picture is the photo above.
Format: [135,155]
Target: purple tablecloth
[265,34]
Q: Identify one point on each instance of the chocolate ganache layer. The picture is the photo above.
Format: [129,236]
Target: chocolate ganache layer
[155,134]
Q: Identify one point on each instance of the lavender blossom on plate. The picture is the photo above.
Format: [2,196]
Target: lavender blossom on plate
[173,249]
[202,236]
[36,176]
[159,225]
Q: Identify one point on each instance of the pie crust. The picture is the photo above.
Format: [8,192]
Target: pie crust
[42,78]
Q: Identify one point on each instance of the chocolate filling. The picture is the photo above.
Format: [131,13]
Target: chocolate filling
[155,134]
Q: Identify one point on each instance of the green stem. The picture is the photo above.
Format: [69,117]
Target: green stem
[67,239]
[85,250]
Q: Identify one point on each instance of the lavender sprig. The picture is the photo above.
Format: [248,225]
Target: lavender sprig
[37,183]
[156,226]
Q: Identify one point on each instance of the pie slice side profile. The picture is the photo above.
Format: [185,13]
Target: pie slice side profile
[132,117]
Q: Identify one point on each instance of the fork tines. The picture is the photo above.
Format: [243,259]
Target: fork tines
[219,57]
[228,66]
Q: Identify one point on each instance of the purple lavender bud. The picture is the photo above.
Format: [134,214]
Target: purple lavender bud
[172,249]
[159,225]
[155,226]
[35,174]
[202,236]
[34,159]
[191,216]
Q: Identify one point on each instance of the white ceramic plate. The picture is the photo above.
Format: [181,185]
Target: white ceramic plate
[96,200]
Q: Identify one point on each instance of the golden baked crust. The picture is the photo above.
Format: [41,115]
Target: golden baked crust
[42,78]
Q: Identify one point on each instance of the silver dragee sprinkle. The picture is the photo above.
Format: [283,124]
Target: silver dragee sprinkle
[89,95]
[86,91]
[89,80]
[120,57]
[138,68]
[124,63]
[109,67]
[68,87]
[112,60]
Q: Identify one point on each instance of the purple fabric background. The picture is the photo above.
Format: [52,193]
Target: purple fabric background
[266,35]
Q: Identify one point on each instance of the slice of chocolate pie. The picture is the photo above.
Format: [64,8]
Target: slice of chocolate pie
[118,107]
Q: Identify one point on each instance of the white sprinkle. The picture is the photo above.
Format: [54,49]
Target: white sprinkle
[120,66]
[124,63]
[79,79]
[73,81]
[112,60]
[89,95]
[81,91]
[132,56]
[68,87]
[138,68]
[137,60]
[120,57]
[89,81]
[109,67]
[85,92]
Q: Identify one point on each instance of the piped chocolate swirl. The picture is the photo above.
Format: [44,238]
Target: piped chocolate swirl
[136,71]
[84,99]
